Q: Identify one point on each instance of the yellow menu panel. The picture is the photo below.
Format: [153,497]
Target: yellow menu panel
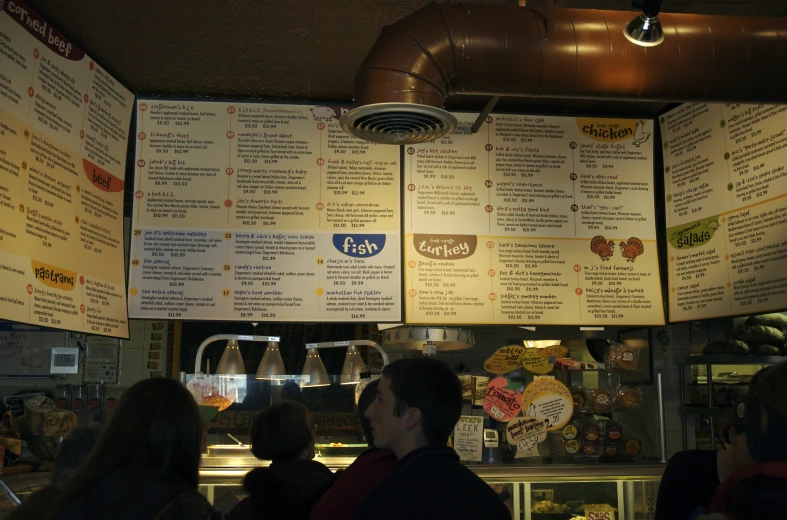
[726,209]
[259,212]
[63,139]
[533,220]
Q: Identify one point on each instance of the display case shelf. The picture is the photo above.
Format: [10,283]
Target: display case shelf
[722,359]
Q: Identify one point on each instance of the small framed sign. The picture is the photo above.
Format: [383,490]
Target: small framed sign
[64,360]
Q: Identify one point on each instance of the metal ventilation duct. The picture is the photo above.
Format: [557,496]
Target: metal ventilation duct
[558,53]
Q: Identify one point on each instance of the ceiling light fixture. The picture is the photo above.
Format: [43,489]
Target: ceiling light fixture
[645,30]
[314,368]
[272,365]
[353,363]
[353,367]
[231,362]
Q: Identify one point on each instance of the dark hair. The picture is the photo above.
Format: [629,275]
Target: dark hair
[766,414]
[281,432]
[733,418]
[431,386]
[156,425]
[366,398]
[72,454]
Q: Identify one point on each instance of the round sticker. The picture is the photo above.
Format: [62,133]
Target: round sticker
[503,400]
[572,447]
[589,448]
[579,398]
[570,432]
[536,362]
[614,432]
[633,447]
[611,448]
[506,359]
[591,432]
[548,398]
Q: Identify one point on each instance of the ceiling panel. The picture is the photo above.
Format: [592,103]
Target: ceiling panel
[299,49]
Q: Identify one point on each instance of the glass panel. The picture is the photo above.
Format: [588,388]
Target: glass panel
[562,501]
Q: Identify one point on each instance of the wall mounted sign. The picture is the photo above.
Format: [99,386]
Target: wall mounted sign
[64,125]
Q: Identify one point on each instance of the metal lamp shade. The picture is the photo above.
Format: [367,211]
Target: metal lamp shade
[644,31]
[272,365]
[231,362]
[353,367]
[315,369]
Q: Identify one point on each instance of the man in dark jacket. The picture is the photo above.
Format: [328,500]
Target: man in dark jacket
[418,403]
[367,471]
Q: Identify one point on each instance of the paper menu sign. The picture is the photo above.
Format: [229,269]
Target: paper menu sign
[503,399]
[525,433]
[469,437]
[599,512]
[534,219]
[260,212]
[550,399]
[726,208]
[538,361]
[64,126]
[506,359]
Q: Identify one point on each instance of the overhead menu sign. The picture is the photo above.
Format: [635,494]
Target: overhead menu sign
[725,168]
[262,213]
[538,220]
[64,126]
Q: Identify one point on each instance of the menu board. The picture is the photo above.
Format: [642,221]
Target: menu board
[63,141]
[726,208]
[258,212]
[538,220]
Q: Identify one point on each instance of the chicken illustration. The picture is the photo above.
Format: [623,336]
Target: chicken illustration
[603,248]
[640,136]
[631,249]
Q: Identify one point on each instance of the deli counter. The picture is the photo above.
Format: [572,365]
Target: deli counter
[531,492]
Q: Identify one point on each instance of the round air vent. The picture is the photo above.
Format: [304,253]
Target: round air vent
[398,123]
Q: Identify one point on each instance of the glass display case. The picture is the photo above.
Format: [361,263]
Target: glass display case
[531,492]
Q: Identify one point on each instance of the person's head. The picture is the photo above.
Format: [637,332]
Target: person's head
[734,432]
[72,454]
[418,403]
[766,414]
[367,397]
[156,425]
[283,432]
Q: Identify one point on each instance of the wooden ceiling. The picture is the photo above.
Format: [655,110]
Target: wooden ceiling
[289,49]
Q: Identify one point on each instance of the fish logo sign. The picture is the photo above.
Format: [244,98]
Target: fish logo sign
[359,246]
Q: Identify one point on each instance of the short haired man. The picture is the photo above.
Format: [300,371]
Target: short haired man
[418,403]
[355,483]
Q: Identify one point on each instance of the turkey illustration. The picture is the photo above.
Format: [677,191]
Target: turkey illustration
[603,248]
[632,249]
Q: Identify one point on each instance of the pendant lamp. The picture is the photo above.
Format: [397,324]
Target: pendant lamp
[231,362]
[353,367]
[272,365]
[315,369]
